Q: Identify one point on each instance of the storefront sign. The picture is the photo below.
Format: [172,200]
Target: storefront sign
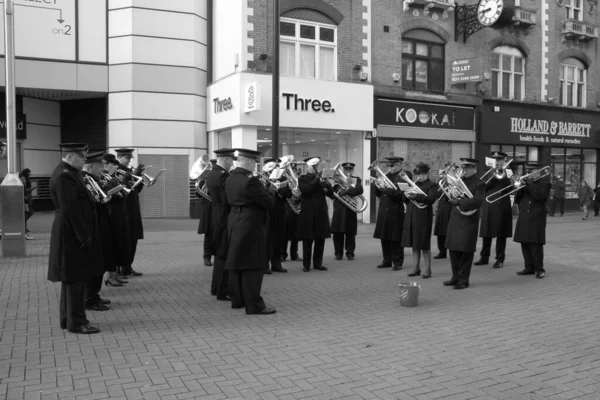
[465,71]
[293,102]
[21,127]
[542,126]
[222,105]
[423,115]
[251,97]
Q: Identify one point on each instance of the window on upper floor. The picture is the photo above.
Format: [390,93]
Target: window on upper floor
[573,78]
[423,61]
[508,73]
[574,9]
[308,49]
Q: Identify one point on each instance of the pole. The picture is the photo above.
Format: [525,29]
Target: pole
[9,45]
[275,123]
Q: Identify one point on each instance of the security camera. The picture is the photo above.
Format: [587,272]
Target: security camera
[396,76]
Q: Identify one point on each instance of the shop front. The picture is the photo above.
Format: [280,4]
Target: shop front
[317,118]
[567,140]
[433,133]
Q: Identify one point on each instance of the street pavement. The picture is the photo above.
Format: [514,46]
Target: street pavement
[339,334]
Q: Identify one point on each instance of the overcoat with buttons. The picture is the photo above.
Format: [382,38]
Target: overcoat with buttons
[204,210]
[75,246]
[277,234]
[442,216]
[344,219]
[418,222]
[106,238]
[217,177]
[496,218]
[531,223]
[313,221]
[390,218]
[463,229]
[248,221]
[134,210]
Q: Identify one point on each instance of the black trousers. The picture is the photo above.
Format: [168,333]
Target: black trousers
[92,290]
[441,243]
[500,248]
[207,251]
[126,269]
[307,252]
[461,265]
[293,249]
[245,290]
[533,253]
[561,203]
[596,207]
[341,241]
[220,279]
[393,252]
[72,305]
[274,254]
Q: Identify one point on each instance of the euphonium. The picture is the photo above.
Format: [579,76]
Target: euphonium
[358,204]
[95,190]
[413,189]
[286,166]
[201,167]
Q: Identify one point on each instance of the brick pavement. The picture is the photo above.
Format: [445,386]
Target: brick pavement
[340,334]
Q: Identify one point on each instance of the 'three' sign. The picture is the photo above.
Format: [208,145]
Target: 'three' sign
[465,71]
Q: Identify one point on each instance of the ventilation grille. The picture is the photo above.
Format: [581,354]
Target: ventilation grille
[169,197]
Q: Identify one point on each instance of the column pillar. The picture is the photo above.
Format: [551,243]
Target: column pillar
[244,136]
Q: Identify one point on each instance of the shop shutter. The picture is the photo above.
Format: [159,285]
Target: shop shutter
[84,121]
[170,196]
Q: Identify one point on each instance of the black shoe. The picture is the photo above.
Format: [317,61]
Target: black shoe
[551,215]
[96,307]
[264,311]
[237,306]
[498,264]
[440,256]
[383,265]
[283,259]
[450,283]
[104,302]
[481,261]
[207,262]
[112,282]
[526,272]
[338,258]
[225,298]
[426,276]
[121,280]
[397,268]
[540,274]
[350,257]
[135,273]
[306,269]
[418,273]
[267,272]
[459,286]
[296,258]
[85,330]
[320,268]
[279,269]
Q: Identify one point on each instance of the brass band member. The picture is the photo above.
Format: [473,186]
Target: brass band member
[418,221]
[133,209]
[390,218]
[291,224]
[75,253]
[247,230]
[313,222]
[344,224]
[530,230]
[205,219]
[442,217]
[496,218]
[217,177]
[462,229]
[276,236]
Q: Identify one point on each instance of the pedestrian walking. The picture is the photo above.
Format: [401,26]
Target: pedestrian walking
[585,195]
[559,196]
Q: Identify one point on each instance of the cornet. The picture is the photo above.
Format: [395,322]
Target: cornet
[358,204]
[413,189]
[495,172]
[382,181]
[95,190]
[286,166]
[454,187]
[200,167]
[518,183]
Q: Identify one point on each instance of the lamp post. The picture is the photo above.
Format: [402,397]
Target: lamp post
[11,190]
[275,122]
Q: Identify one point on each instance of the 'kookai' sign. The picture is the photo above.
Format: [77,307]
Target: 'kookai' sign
[423,115]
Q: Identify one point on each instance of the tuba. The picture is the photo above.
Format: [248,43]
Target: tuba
[200,167]
[382,181]
[95,190]
[358,204]
[286,166]
[495,172]
[413,189]
[517,183]
[454,187]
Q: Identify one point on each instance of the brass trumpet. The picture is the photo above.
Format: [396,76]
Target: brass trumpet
[495,172]
[413,189]
[95,190]
[518,183]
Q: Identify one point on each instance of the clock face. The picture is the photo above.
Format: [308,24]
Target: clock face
[489,11]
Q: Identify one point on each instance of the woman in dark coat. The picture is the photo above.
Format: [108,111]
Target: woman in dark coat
[313,222]
[418,221]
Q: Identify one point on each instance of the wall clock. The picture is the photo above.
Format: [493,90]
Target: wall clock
[495,13]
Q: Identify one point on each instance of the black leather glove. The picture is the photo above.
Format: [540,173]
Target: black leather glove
[139,170]
[454,202]
[343,192]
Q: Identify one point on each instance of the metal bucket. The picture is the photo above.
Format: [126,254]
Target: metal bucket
[409,293]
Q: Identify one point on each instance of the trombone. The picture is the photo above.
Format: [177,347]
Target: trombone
[413,189]
[518,183]
[495,172]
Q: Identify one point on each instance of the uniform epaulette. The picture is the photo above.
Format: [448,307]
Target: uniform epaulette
[65,170]
[250,176]
[222,171]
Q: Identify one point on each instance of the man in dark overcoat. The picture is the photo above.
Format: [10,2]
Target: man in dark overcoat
[92,170]
[530,230]
[291,224]
[461,240]
[390,218]
[442,217]
[496,218]
[247,232]
[217,177]
[418,221]
[75,247]
[313,221]
[276,238]
[205,218]
[344,223]
[558,196]
[134,211]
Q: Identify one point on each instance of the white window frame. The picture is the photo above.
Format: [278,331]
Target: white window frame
[571,7]
[298,42]
[576,83]
[507,51]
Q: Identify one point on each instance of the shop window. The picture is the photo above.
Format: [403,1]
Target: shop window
[308,49]
[574,165]
[508,73]
[574,9]
[423,64]
[518,153]
[573,78]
